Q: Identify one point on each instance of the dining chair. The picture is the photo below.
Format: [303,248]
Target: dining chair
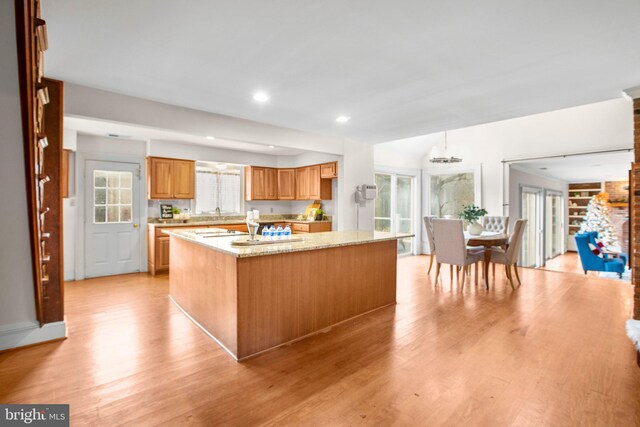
[448,235]
[432,244]
[509,257]
[498,224]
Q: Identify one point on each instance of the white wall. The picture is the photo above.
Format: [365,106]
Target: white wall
[600,126]
[18,325]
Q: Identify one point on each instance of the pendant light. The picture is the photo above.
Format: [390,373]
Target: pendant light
[445,159]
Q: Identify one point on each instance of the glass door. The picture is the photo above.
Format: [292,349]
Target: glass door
[554,225]
[394,208]
[531,210]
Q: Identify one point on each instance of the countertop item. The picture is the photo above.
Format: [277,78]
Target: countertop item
[330,239]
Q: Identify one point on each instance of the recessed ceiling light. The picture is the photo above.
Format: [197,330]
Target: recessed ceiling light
[272,146]
[343,119]
[211,138]
[260,97]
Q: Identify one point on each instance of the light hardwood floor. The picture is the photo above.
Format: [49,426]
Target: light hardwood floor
[554,352]
[569,262]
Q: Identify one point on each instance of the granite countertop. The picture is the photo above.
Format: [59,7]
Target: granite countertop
[224,221]
[312,241]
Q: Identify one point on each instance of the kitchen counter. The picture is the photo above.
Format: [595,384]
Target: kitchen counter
[195,222]
[331,239]
[254,299]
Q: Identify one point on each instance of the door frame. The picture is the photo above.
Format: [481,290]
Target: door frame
[81,159]
[415,174]
[540,219]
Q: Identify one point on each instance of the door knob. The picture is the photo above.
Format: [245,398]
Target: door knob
[136,225]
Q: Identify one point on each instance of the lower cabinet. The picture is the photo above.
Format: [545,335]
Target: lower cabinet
[162,253]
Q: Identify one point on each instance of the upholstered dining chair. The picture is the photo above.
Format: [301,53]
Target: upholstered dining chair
[498,224]
[448,235]
[432,244]
[509,257]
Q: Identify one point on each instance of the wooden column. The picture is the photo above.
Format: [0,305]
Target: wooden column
[52,300]
[634,193]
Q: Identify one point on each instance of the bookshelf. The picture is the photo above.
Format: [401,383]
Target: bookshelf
[579,196]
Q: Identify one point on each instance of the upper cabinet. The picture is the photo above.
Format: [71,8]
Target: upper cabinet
[183,179]
[170,178]
[329,170]
[260,183]
[305,183]
[286,184]
[302,184]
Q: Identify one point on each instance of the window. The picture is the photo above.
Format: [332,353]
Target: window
[111,196]
[218,188]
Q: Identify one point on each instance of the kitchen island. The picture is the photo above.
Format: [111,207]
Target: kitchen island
[252,299]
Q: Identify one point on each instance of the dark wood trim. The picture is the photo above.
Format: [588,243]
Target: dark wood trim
[25,14]
[53,301]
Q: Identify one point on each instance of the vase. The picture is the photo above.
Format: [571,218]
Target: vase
[474,228]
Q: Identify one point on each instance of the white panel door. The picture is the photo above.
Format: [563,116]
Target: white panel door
[112,218]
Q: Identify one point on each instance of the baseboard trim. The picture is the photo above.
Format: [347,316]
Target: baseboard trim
[27,333]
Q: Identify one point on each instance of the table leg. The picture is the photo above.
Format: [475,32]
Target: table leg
[487,261]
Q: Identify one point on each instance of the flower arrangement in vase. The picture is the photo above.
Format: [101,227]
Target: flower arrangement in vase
[471,214]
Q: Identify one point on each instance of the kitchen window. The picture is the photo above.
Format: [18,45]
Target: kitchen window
[218,188]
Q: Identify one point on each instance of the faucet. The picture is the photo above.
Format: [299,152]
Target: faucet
[218,212]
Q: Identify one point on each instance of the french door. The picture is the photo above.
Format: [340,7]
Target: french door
[554,225]
[531,210]
[394,208]
[112,217]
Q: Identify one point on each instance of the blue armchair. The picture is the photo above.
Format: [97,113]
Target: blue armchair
[593,235]
[592,262]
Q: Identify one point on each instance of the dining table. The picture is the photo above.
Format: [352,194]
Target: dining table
[487,240]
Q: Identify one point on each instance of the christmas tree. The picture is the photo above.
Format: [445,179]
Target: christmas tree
[598,219]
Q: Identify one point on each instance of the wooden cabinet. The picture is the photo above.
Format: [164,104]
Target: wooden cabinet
[162,253]
[271,184]
[302,184]
[310,227]
[310,186]
[170,178]
[286,184]
[260,183]
[305,183]
[183,179]
[329,170]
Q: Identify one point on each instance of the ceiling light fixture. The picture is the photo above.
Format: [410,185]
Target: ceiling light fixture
[445,159]
[343,119]
[260,97]
[272,146]
[210,138]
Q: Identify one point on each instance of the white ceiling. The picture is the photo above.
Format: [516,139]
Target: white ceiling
[399,69]
[140,133]
[598,167]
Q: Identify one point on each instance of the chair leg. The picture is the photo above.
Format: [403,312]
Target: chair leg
[458,273]
[515,268]
[430,263]
[464,276]
[451,272]
[493,267]
[437,273]
[507,269]
[477,273]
